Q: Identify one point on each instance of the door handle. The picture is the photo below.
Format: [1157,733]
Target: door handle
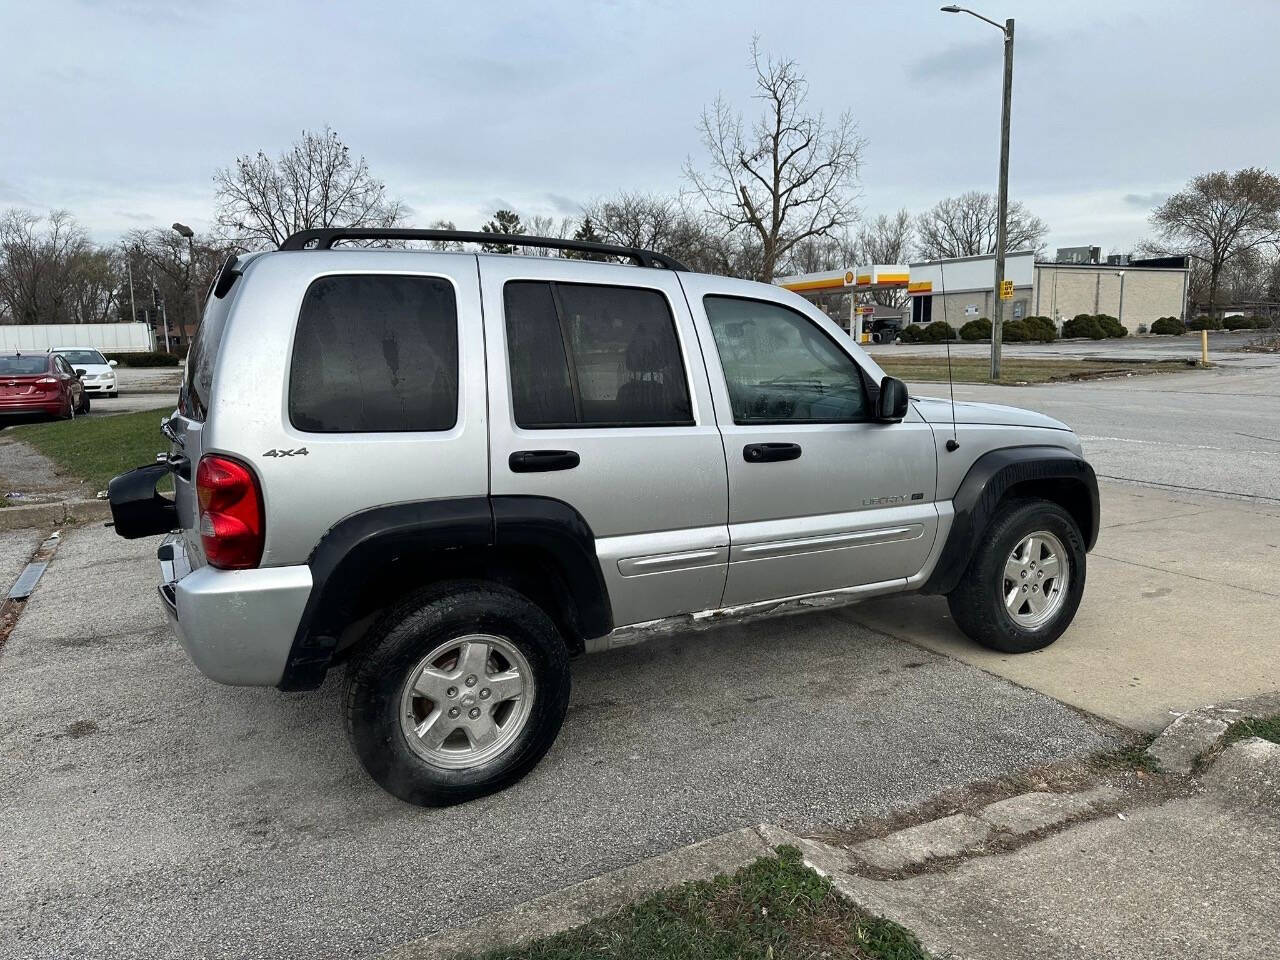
[770,452]
[542,461]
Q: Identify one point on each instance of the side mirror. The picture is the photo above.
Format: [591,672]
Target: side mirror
[111,363]
[81,371]
[892,405]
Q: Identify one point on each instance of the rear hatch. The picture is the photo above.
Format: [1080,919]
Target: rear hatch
[19,376]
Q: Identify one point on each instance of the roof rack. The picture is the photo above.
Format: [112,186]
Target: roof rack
[325,238]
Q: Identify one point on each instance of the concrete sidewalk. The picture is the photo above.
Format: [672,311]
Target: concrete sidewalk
[1181,609]
[1191,877]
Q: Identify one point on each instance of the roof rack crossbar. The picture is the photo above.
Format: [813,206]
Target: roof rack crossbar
[324,239]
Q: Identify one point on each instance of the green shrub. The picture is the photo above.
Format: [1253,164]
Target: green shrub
[1083,325]
[1168,326]
[911,333]
[1204,323]
[1042,329]
[1238,323]
[1015,331]
[979,329]
[939,331]
[1111,327]
[149,359]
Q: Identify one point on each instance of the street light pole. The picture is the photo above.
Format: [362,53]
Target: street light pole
[1120,274]
[185,231]
[1002,201]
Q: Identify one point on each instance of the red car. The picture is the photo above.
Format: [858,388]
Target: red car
[40,383]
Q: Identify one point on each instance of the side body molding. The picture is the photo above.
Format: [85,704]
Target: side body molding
[356,552]
[1055,473]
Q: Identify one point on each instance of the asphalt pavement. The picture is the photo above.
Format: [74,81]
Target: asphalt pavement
[148,812]
[1210,431]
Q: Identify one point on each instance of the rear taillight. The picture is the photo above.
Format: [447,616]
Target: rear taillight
[232,525]
[47,383]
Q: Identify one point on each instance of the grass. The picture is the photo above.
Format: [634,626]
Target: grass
[96,448]
[1268,728]
[774,908]
[1016,370]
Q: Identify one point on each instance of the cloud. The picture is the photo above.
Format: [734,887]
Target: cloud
[1145,200]
[563,205]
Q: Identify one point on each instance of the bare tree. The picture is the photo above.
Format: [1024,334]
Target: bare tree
[50,272]
[1221,217]
[653,221]
[886,239]
[836,251]
[179,272]
[315,183]
[966,226]
[789,177]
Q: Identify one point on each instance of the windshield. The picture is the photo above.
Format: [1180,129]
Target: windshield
[82,356]
[23,366]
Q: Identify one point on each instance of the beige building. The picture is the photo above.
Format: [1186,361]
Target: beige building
[1132,293]
[960,290]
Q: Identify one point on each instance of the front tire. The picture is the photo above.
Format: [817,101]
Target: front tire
[458,693]
[1025,580]
[84,404]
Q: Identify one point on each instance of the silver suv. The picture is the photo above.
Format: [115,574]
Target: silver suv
[455,472]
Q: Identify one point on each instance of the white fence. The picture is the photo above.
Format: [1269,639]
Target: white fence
[107,337]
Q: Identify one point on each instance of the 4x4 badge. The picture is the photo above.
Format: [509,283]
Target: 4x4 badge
[300,452]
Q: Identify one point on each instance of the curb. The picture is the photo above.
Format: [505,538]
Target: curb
[594,898]
[1179,748]
[57,514]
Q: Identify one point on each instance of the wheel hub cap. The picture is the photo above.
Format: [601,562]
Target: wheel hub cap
[466,701]
[1035,580]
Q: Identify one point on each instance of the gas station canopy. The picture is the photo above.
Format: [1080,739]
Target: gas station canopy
[850,280]
[875,276]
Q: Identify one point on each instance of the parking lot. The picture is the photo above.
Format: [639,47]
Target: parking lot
[151,813]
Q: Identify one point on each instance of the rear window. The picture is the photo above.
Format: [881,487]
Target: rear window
[200,360]
[594,356]
[23,366]
[375,353]
[81,356]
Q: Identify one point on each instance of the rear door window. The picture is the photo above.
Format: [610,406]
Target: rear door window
[375,353]
[596,356]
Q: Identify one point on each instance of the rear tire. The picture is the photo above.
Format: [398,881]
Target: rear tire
[441,666]
[1024,582]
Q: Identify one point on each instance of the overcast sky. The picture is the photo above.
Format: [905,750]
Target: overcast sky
[121,111]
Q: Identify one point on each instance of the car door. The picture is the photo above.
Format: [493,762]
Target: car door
[599,398]
[821,497]
[70,381]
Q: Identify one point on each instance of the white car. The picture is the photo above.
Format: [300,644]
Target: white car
[97,373]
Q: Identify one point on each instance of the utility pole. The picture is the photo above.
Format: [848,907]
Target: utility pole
[1002,238]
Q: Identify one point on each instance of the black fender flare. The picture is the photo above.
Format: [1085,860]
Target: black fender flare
[342,561]
[990,478]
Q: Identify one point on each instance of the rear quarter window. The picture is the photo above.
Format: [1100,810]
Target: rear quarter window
[375,353]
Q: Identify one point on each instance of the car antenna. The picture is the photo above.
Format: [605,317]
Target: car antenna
[953,444]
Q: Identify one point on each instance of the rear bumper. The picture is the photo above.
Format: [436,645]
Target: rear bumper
[237,626]
[51,405]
